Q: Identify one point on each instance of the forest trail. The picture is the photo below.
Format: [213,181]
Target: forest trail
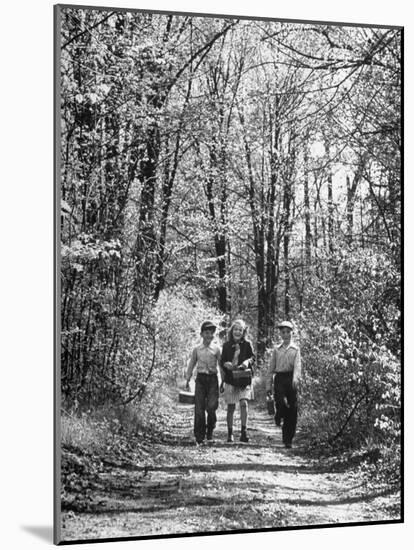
[180,488]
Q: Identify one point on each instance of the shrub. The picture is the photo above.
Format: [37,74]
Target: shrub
[351,389]
[134,389]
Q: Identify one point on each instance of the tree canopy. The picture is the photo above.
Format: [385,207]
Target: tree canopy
[222,167]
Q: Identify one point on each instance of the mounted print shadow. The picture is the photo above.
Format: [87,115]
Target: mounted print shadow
[228,274]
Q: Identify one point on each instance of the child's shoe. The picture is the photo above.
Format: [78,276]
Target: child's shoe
[243,436]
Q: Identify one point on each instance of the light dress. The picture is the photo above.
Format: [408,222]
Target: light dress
[232,394]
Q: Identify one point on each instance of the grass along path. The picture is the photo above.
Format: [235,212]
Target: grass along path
[180,488]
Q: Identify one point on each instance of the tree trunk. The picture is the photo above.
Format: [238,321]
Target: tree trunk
[330,215]
[307,208]
[349,212]
[220,241]
[286,239]
[271,242]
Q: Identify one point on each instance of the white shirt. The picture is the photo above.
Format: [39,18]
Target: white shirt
[285,359]
[206,358]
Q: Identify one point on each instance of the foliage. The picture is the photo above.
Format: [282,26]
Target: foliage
[214,168]
[178,316]
[351,392]
[151,352]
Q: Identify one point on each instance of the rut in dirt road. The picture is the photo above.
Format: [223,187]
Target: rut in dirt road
[226,486]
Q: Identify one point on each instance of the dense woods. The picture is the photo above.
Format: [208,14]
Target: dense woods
[215,168]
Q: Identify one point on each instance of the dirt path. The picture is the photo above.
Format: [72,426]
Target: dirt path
[182,488]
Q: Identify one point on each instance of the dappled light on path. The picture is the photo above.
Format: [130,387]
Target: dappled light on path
[244,486]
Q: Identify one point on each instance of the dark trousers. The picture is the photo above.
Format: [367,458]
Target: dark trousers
[286,404]
[206,400]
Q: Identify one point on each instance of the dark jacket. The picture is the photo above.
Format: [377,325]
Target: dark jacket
[227,353]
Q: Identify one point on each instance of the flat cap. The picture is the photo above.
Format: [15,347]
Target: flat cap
[285,324]
[208,325]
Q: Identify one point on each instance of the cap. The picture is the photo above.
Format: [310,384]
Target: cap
[207,325]
[285,324]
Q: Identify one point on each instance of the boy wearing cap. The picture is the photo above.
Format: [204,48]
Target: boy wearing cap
[285,365]
[206,356]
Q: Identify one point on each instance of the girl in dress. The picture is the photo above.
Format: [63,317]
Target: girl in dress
[237,353]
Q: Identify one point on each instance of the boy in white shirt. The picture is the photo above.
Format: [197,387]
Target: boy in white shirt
[206,356]
[285,366]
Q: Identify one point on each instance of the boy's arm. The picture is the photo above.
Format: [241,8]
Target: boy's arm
[297,369]
[219,357]
[191,365]
[272,367]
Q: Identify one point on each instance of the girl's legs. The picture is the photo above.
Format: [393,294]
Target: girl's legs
[243,412]
[230,414]
[243,416]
